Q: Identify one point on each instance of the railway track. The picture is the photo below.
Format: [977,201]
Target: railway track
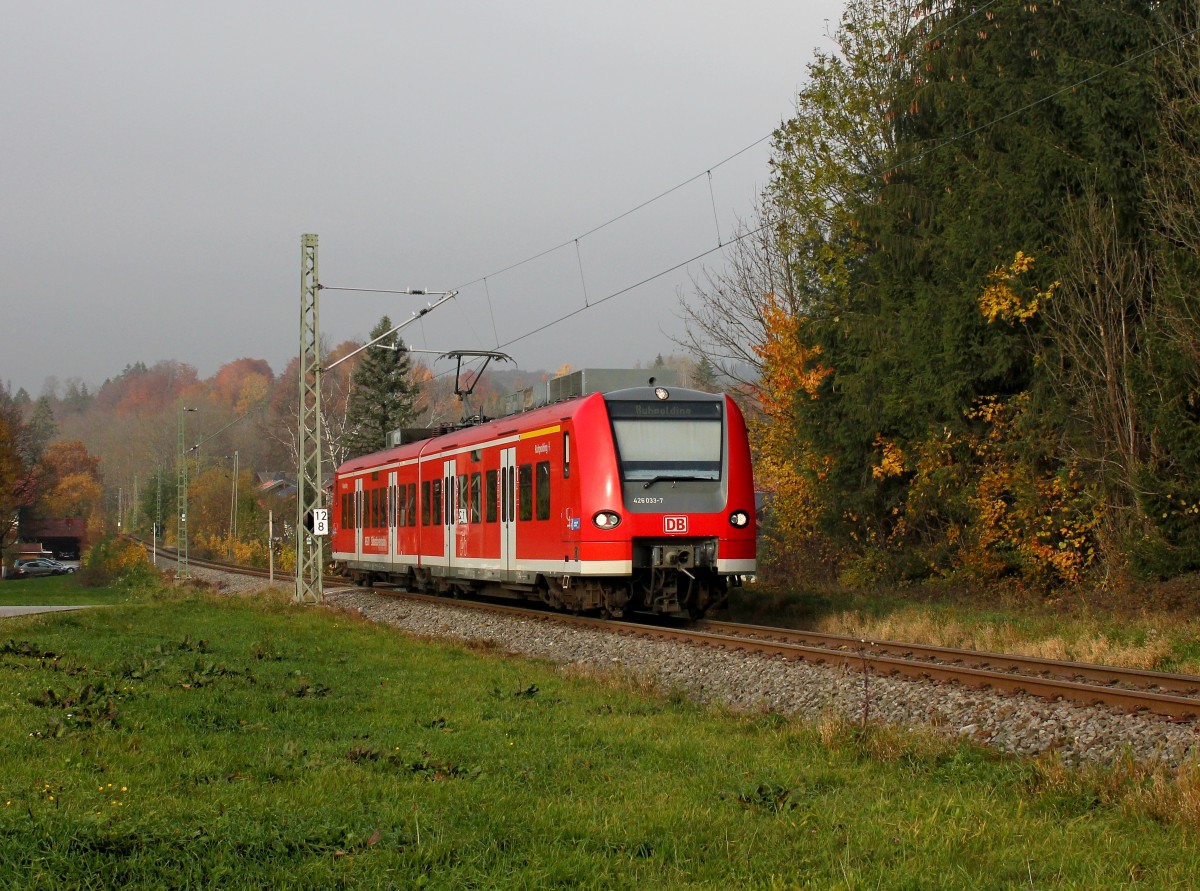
[1173,696]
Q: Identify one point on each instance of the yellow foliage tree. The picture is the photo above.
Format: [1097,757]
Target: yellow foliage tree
[786,467]
[1008,298]
[984,504]
[74,495]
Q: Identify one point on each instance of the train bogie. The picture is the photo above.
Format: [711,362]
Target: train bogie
[641,499]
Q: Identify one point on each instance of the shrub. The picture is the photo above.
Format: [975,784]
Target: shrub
[113,560]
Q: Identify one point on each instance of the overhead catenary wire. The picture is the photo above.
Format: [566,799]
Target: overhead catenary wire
[739,237]
[620,216]
[589,304]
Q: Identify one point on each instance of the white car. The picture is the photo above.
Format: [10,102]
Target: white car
[41,566]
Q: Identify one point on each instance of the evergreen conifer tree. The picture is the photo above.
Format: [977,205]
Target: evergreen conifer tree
[381,393]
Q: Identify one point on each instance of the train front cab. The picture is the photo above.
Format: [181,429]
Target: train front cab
[676,506]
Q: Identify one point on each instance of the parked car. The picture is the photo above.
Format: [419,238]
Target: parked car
[41,566]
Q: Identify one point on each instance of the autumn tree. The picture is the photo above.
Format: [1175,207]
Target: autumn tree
[70,482]
[22,444]
[242,385]
[381,392]
[12,479]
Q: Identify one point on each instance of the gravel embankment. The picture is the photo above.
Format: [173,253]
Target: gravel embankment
[1020,724]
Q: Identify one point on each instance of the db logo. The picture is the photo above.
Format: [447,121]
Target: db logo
[675,525]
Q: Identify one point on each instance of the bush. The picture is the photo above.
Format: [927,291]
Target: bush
[113,560]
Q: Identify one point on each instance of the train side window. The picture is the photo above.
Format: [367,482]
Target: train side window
[358,509]
[462,493]
[489,495]
[525,492]
[566,454]
[476,517]
[543,490]
[393,508]
[436,502]
[375,524]
[412,504]
[425,499]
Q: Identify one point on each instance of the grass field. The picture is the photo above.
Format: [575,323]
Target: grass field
[179,740]
[55,590]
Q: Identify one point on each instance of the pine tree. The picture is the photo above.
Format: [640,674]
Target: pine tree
[381,393]
[704,376]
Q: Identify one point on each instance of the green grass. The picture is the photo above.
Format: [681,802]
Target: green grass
[186,741]
[55,590]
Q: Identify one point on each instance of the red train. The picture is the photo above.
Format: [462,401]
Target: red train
[640,499]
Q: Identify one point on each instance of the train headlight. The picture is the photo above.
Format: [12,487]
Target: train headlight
[606,519]
[739,518]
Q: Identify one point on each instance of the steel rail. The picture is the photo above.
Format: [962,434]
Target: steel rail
[1101,674]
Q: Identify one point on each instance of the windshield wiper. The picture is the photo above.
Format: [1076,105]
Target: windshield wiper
[677,479]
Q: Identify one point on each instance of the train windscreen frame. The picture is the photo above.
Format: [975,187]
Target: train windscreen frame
[668,440]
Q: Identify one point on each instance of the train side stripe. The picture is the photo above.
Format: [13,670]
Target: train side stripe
[544,431]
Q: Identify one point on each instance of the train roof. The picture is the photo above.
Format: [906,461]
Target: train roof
[528,420]
[538,417]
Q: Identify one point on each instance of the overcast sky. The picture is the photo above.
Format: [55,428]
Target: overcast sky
[161,161]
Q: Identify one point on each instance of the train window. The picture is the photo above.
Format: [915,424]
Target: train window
[462,494]
[425,499]
[543,490]
[392,506]
[475,497]
[525,492]
[436,502]
[566,454]
[489,495]
[412,504]
[374,524]
[358,509]
[681,441]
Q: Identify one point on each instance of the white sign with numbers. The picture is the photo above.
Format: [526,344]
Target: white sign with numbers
[321,521]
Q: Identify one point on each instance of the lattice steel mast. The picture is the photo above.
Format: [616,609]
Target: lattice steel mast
[181,492]
[310,483]
[310,548]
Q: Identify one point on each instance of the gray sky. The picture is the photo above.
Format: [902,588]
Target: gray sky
[161,161]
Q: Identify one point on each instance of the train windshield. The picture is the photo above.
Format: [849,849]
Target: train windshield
[668,441]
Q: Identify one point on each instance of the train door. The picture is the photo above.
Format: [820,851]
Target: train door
[393,522]
[508,508]
[358,517]
[450,508]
